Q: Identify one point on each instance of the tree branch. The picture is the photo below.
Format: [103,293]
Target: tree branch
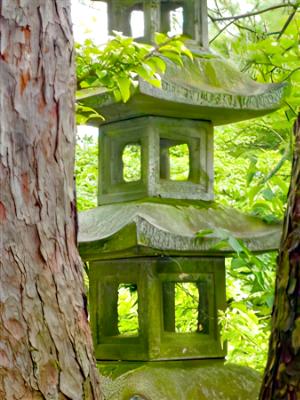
[291,73]
[221,31]
[246,28]
[288,21]
[253,13]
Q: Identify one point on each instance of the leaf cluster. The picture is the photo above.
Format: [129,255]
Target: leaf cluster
[120,64]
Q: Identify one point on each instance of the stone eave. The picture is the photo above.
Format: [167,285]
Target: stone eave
[150,228]
[196,91]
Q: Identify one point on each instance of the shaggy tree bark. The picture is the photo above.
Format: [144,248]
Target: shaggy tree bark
[282,375]
[45,341]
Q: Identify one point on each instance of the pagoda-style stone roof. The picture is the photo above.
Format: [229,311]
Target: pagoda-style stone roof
[168,227]
[207,88]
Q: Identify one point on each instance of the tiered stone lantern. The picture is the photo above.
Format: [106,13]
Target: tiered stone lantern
[143,234]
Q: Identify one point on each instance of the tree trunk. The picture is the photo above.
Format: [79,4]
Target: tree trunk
[45,343]
[282,375]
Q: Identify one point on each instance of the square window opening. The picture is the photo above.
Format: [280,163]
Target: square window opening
[171,17]
[174,161]
[128,320]
[185,307]
[132,162]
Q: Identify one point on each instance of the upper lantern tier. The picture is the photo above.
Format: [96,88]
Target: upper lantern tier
[205,89]
[159,16]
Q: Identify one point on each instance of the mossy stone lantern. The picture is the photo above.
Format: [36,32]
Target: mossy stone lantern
[142,236]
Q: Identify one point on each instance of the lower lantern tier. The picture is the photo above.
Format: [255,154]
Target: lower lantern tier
[157,308]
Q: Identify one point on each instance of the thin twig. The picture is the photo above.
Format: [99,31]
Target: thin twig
[273,33]
[288,21]
[221,31]
[291,73]
[246,28]
[253,13]
[269,64]
[291,108]
[217,7]
[286,156]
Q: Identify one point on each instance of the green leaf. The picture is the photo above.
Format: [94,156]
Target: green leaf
[159,64]
[223,244]
[174,57]
[268,194]
[155,82]
[117,95]
[160,38]
[235,245]
[124,86]
[204,232]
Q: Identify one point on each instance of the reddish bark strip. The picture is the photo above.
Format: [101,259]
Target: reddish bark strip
[46,349]
[282,375]
[2,213]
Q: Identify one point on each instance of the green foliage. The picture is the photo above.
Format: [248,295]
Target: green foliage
[179,162]
[128,310]
[86,172]
[132,163]
[186,307]
[267,49]
[119,64]
[252,165]
[246,322]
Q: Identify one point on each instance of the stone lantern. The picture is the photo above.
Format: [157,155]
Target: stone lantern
[143,236]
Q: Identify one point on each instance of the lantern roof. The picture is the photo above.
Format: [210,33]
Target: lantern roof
[147,227]
[206,88]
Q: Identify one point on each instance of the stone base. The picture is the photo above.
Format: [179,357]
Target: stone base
[186,380]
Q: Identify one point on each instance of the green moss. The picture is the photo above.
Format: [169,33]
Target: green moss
[188,380]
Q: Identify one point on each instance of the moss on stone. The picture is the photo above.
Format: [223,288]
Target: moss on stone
[186,381]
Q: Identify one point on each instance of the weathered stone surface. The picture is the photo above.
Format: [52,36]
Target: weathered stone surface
[185,381]
[153,227]
[208,88]
[157,338]
[155,135]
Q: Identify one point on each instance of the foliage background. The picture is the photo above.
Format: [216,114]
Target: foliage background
[252,161]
